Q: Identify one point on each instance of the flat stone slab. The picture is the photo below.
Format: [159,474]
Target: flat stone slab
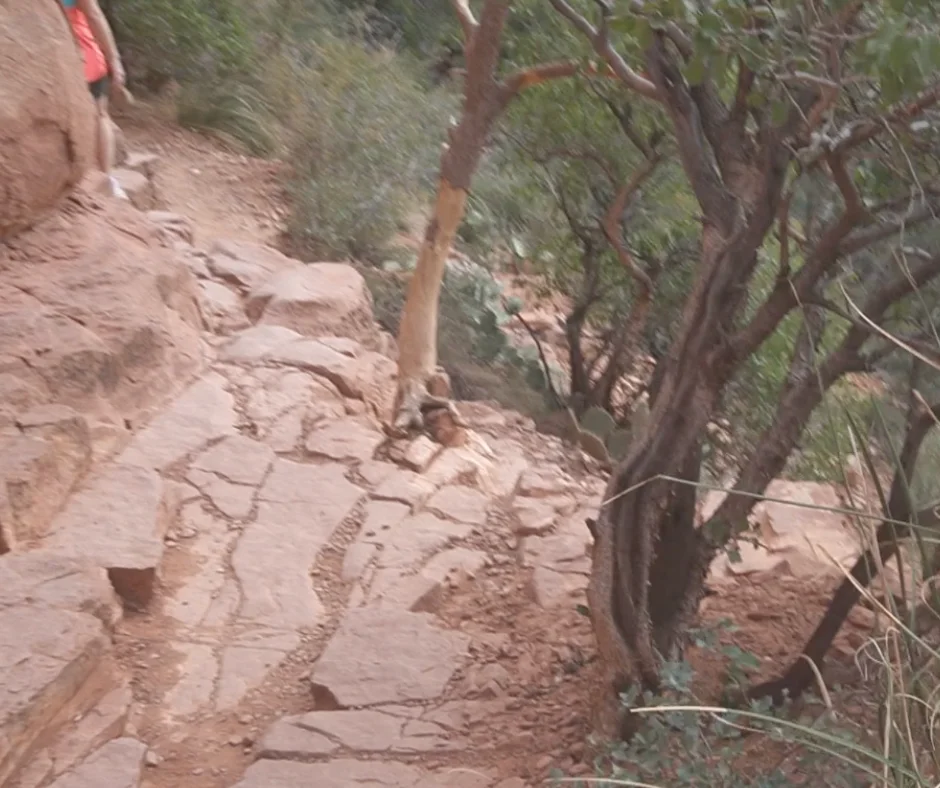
[344,439]
[82,737]
[387,656]
[203,412]
[39,466]
[317,299]
[246,265]
[46,657]
[300,507]
[392,729]
[41,578]
[408,542]
[238,459]
[221,308]
[246,665]
[118,764]
[253,345]
[463,504]
[341,773]
[404,486]
[118,522]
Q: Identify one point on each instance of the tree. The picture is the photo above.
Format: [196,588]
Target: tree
[607,239]
[486,96]
[806,129]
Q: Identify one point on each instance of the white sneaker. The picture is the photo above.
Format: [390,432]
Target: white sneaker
[116,189]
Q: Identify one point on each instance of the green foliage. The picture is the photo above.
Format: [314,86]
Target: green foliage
[598,421]
[678,745]
[234,109]
[618,443]
[364,149]
[191,41]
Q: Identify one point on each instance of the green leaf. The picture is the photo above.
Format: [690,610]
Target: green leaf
[695,69]
[779,111]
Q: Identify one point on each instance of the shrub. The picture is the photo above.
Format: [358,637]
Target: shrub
[365,147]
[190,41]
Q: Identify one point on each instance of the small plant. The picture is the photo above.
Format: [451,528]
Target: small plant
[680,743]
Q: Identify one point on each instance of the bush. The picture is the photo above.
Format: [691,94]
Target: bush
[365,148]
[190,41]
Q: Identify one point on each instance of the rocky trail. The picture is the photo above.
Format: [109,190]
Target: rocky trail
[217,572]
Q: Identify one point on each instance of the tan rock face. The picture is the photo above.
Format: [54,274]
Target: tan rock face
[46,655]
[47,121]
[95,313]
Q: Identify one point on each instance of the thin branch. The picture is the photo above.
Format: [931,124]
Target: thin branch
[564,152]
[783,218]
[544,360]
[863,131]
[598,36]
[879,232]
[623,116]
[467,20]
[611,223]
[897,341]
[745,84]
[536,75]
[843,181]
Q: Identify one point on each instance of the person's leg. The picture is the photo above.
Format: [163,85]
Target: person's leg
[99,90]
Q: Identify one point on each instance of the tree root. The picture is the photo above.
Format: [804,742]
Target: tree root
[425,406]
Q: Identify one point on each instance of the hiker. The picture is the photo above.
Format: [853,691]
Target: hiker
[103,68]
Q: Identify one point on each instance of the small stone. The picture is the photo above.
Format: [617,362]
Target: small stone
[151,759]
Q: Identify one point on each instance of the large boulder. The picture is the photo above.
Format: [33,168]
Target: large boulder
[99,325]
[96,312]
[47,116]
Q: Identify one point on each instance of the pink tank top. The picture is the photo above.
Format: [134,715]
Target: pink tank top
[96,66]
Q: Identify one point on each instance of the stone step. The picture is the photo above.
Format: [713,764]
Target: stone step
[39,466]
[118,764]
[55,651]
[55,666]
[118,522]
[78,740]
[138,188]
[350,773]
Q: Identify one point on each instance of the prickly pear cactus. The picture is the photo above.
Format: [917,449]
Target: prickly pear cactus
[618,444]
[598,421]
